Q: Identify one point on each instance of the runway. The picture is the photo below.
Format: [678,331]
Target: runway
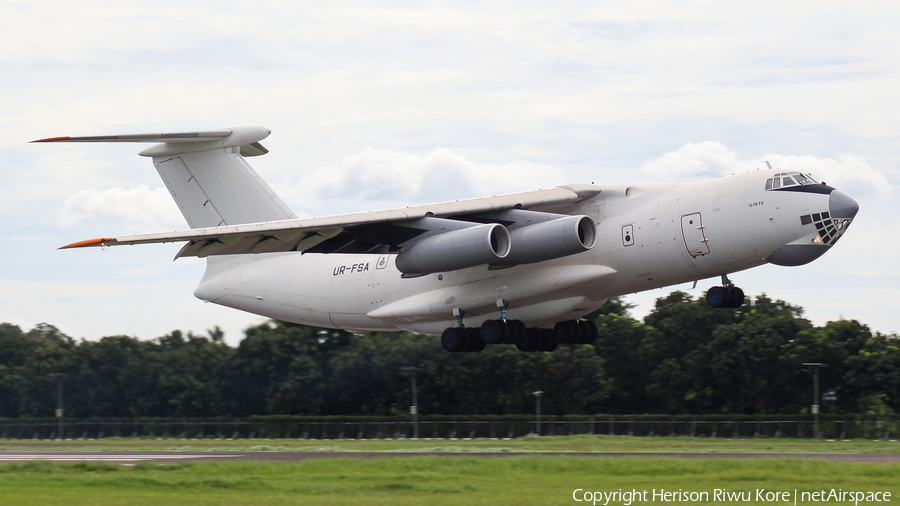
[163,457]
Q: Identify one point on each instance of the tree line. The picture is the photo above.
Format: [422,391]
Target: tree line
[684,358]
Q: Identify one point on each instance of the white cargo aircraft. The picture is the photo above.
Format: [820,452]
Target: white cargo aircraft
[479,271]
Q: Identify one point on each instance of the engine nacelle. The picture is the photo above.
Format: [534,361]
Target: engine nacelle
[550,239]
[456,249]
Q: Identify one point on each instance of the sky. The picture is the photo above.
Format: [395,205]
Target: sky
[387,104]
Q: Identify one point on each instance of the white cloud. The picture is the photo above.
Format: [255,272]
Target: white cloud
[704,160]
[139,208]
[694,162]
[387,178]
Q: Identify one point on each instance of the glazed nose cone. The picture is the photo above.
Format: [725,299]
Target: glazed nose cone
[842,206]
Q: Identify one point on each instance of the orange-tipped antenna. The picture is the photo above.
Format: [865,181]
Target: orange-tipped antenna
[52,139]
[101,241]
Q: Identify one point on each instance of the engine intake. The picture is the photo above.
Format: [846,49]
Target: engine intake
[456,249]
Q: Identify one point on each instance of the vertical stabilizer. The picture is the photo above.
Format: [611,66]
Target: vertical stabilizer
[218,187]
[212,183]
[207,175]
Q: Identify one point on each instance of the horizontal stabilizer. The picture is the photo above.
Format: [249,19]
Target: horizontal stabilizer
[175,143]
[198,136]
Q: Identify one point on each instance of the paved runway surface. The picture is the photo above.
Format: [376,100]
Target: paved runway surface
[163,457]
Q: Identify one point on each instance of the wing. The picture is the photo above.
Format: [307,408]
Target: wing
[370,232]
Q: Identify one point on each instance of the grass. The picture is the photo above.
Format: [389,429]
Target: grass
[583,443]
[529,479]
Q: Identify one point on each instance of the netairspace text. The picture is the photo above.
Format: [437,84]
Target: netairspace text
[760,495]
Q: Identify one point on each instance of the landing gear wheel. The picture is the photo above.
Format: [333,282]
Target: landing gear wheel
[504,324]
[492,331]
[551,344]
[474,341]
[589,332]
[737,296]
[530,341]
[595,332]
[517,331]
[717,297]
[453,339]
[720,296]
[577,334]
[564,332]
[548,341]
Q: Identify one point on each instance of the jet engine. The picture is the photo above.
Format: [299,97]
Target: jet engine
[555,238]
[455,249]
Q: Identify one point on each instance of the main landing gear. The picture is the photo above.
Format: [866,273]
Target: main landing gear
[726,295]
[514,332]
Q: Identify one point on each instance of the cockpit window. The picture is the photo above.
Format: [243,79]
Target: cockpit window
[785,179]
[804,179]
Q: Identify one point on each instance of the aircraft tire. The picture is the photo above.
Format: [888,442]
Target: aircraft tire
[532,338]
[586,334]
[564,332]
[474,342]
[593,332]
[548,340]
[517,331]
[507,331]
[551,345]
[737,296]
[523,344]
[453,339]
[577,334]
[717,297]
[492,331]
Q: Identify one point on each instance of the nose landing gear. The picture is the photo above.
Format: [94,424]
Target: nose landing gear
[726,295]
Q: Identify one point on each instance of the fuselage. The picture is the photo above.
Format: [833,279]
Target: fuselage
[648,236]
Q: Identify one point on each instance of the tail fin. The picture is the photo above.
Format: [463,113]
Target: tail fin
[207,175]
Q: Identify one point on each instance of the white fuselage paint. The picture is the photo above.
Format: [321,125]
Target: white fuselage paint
[669,229]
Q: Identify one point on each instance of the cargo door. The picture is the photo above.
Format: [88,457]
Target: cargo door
[694,236]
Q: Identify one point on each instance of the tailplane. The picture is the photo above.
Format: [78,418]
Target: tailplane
[207,175]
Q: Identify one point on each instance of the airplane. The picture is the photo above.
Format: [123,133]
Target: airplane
[490,270]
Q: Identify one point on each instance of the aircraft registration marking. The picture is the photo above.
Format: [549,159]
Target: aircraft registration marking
[350,269]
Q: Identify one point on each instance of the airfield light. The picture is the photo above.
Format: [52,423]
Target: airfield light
[414,408]
[537,409]
[59,399]
[812,368]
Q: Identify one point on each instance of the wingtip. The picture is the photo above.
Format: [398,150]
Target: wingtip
[100,241]
[51,139]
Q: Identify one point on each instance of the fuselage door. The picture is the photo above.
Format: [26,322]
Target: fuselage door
[694,236]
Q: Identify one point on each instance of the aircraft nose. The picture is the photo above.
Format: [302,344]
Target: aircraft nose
[842,206]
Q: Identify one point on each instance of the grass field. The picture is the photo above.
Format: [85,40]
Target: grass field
[529,478]
[583,443]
